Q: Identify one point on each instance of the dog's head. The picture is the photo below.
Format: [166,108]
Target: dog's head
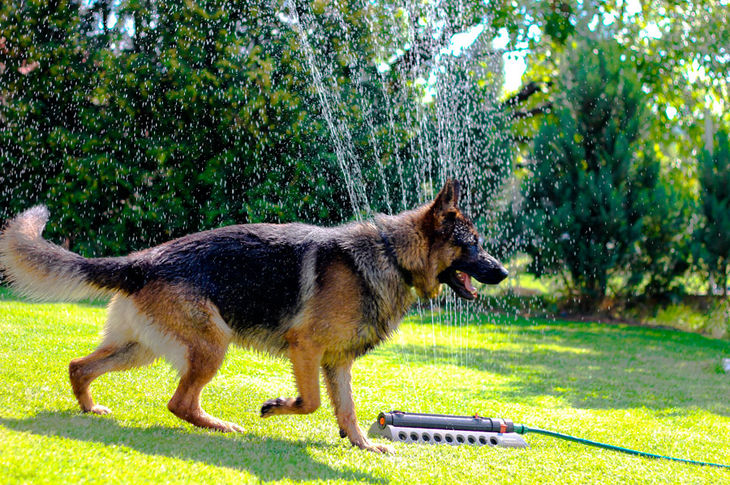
[456,247]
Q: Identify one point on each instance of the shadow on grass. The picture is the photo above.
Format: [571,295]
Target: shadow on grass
[267,458]
[587,365]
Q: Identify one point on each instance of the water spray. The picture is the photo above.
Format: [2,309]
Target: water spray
[480,431]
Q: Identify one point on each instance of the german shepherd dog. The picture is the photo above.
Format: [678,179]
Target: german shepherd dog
[319,296]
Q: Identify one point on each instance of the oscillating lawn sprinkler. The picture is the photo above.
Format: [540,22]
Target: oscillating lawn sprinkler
[479,431]
[448,430]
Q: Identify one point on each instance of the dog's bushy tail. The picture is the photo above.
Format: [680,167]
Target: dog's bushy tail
[41,270]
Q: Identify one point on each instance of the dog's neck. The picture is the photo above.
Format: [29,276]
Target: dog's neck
[409,243]
[390,252]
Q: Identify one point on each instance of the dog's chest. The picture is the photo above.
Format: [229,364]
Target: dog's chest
[382,319]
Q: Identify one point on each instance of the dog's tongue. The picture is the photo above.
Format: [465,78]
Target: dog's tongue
[466,281]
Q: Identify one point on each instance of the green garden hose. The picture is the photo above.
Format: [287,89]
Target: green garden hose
[522,429]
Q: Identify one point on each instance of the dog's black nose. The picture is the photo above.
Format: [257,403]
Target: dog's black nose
[494,275]
[503,273]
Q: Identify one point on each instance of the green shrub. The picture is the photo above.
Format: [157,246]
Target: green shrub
[714,232]
[592,185]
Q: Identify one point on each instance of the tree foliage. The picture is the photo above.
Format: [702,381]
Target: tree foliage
[192,118]
[144,120]
[714,233]
[680,52]
[592,184]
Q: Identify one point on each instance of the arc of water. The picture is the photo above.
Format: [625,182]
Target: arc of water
[339,132]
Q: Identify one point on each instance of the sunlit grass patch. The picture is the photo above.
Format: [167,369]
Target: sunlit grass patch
[645,388]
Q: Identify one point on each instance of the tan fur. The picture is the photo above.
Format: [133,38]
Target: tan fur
[338,379]
[195,324]
[334,325]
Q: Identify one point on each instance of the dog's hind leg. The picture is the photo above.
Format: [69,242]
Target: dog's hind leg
[106,358]
[185,403]
[305,358]
[190,332]
[338,378]
[119,350]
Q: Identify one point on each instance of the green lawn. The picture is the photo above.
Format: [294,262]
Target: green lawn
[650,389]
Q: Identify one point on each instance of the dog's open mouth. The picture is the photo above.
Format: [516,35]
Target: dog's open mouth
[460,282]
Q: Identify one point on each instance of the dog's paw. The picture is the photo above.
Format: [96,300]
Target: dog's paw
[377,448]
[362,443]
[270,406]
[228,427]
[99,409]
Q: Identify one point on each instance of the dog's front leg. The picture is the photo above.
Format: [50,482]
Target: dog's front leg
[339,385]
[305,359]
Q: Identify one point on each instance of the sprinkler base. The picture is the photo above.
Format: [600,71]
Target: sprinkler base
[446,436]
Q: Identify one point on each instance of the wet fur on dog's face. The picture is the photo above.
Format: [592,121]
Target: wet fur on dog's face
[466,258]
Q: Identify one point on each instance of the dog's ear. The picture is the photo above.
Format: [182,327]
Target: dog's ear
[446,205]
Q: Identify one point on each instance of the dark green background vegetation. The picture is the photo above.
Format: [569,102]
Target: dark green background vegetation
[139,121]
